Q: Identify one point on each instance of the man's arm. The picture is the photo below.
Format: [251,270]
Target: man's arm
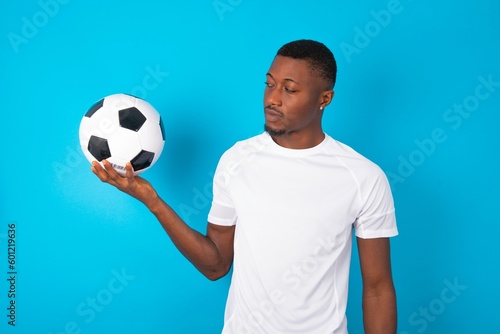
[379,296]
[211,254]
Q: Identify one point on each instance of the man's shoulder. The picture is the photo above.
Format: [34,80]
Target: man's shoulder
[351,159]
[249,145]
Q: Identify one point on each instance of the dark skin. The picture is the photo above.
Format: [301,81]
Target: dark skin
[294,100]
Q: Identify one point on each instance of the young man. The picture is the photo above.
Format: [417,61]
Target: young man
[285,203]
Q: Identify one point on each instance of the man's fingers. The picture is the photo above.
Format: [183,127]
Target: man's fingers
[106,173]
[113,175]
[99,171]
[130,184]
[129,172]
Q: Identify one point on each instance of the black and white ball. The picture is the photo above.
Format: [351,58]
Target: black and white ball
[122,128]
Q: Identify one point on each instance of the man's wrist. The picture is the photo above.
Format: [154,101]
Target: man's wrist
[154,203]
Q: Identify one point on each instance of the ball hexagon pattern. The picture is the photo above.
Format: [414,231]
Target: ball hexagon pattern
[122,128]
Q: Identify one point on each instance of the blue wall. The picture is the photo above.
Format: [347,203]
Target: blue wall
[418,92]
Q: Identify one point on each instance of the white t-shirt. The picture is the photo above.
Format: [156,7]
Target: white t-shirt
[294,212]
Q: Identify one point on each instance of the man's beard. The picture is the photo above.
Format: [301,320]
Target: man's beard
[274,133]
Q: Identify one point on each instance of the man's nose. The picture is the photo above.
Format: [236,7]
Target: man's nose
[273,96]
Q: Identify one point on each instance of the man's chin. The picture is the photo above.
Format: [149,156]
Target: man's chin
[274,132]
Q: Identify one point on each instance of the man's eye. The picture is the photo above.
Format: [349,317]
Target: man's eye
[291,91]
[268,84]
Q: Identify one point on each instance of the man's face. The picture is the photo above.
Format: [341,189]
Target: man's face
[292,98]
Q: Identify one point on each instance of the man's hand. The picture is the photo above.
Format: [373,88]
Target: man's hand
[135,186]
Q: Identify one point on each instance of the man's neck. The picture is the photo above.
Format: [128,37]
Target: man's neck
[297,141]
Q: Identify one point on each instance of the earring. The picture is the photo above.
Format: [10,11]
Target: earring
[321,108]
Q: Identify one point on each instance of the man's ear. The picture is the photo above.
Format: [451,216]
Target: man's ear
[326,98]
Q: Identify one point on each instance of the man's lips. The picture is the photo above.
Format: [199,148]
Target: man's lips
[272,115]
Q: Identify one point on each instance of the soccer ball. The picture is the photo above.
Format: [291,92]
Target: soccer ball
[122,128]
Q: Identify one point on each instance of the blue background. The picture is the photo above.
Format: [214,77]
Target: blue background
[399,74]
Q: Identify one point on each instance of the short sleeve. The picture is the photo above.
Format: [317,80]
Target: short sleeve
[377,218]
[222,211]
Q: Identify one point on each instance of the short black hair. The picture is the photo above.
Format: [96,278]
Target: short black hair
[320,58]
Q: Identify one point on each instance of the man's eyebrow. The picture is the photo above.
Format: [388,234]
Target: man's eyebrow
[286,79]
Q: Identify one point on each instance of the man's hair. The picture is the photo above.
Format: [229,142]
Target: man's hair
[320,58]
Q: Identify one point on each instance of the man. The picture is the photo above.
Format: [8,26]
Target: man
[285,203]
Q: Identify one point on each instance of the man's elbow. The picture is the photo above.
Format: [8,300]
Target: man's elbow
[378,289]
[214,274]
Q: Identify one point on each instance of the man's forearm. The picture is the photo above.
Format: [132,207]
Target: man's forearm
[196,247]
[379,312]
[201,250]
